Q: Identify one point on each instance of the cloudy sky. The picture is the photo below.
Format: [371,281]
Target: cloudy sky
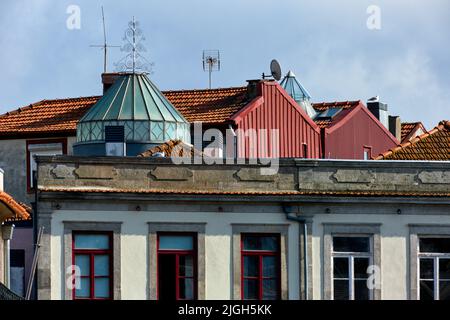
[326,43]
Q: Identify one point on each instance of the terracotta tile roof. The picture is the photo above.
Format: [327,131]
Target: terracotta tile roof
[60,116]
[323,106]
[47,116]
[372,193]
[209,105]
[170,146]
[19,210]
[433,145]
[409,128]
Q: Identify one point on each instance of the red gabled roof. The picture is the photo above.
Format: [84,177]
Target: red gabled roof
[432,145]
[323,106]
[16,211]
[409,129]
[60,116]
[47,116]
[209,105]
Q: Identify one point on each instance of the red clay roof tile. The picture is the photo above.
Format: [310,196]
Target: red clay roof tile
[19,210]
[60,116]
[432,145]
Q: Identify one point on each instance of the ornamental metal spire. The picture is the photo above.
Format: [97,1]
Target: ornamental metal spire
[134,60]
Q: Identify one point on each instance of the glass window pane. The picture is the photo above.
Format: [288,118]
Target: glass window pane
[84,291]
[351,244]
[260,243]
[426,268]
[340,267]
[444,269]
[102,287]
[92,241]
[186,264]
[101,265]
[82,262]
[426,290]
[340,291]
[176,243]
[444,290]
[251,266]
[156,131]
[270,267]
[251,289]
[361,290]
[270,289]
[186,289]
[435,245]
[360,267]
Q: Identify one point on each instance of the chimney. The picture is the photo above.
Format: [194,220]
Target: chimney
[253,89]
[395,127]
[108,80]
[379,110]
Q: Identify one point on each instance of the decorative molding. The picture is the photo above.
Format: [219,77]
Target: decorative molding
[353,176]
[253,174]
[435,177]
[95,172]
[63,172]
[172,173]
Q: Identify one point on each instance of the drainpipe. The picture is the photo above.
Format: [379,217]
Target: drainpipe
[7,234]
[288,210]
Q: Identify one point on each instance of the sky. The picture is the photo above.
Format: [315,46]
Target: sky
[326,43]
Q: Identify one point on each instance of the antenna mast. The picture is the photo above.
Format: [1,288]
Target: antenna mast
[211,62]
[105,45]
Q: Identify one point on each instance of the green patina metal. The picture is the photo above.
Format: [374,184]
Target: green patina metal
[294,88]
[134,102]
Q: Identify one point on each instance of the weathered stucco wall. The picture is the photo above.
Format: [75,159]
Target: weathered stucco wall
[135,278]
[391,195]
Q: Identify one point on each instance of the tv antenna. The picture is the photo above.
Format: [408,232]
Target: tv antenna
[134,60]
[275,71]
[211,62]
[105,45]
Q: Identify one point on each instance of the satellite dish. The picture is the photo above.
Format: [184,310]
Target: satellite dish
[275,69]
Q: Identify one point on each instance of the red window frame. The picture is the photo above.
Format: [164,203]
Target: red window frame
[177,254]
[63,141]
[92,253]
[261,254]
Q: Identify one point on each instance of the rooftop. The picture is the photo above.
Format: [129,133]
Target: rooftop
[409,128]
[432,145]
[11,210]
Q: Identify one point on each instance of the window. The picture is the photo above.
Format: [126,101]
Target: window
[92,254]
[434,268]
[18,271]
[351,257]
[305,150]
[115,141]
[367,155]
[42,147]
[177,267]
[260,271]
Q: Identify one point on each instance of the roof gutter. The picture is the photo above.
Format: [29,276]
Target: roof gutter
[287,209]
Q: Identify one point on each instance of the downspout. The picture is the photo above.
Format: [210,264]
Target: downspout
[7,234]
[287,210]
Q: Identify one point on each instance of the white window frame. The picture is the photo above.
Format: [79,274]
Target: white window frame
[42,149]
[436,256]
[351,257]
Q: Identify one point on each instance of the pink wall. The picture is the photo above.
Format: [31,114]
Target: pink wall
[348,137]
[275,109]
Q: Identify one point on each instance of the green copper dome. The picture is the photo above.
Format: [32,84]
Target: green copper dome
[135,103]
[294,88]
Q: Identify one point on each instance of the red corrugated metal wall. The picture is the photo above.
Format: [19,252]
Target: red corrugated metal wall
[348,140]
[276,110]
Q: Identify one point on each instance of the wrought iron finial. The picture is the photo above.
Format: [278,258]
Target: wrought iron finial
[134,60]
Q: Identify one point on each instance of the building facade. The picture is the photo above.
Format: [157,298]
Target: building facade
[145,228]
